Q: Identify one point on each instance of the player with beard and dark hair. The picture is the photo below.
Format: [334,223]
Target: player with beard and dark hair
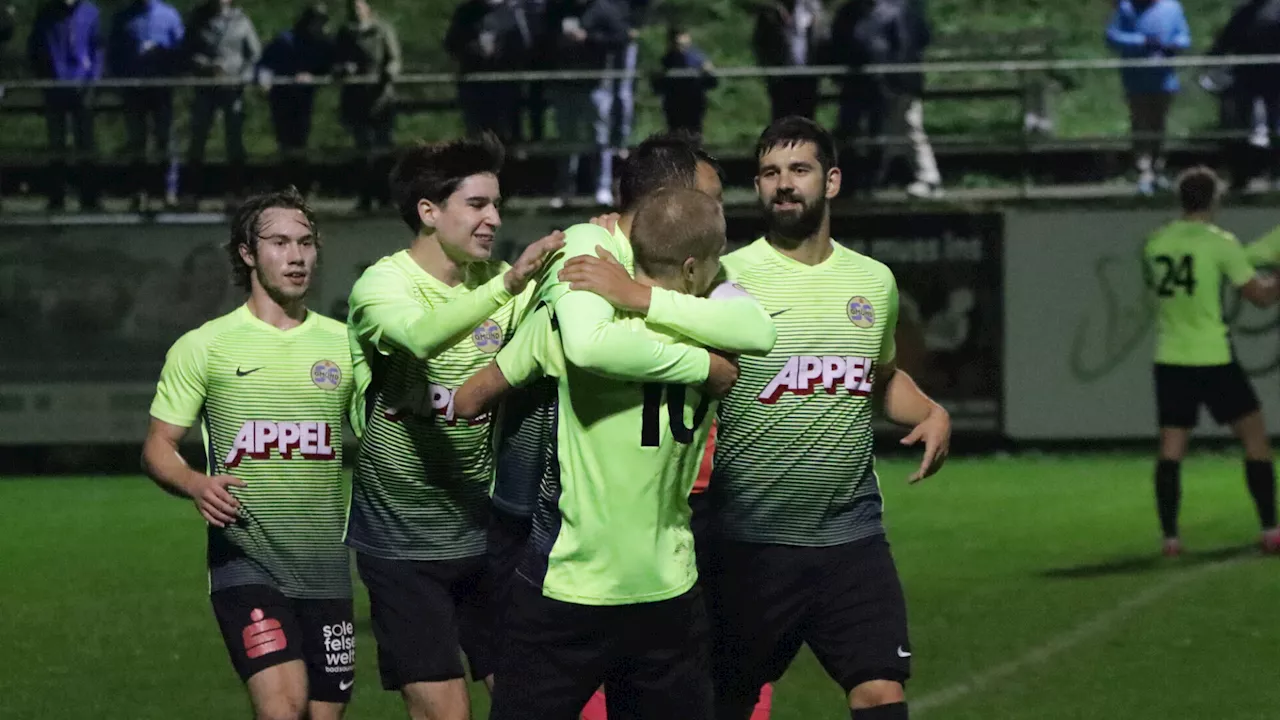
[802,553]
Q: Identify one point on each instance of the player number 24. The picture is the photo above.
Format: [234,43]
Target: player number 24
[650,433]
[1175,273]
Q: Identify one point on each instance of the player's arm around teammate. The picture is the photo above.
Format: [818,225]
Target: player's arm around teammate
[273,491]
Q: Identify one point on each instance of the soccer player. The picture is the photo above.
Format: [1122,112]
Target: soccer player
[1184,263]
[424,320]
[270,384]
[605,590]
[802,554]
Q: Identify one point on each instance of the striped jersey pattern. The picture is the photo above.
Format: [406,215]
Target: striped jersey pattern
[271,404]
[421,485]
[794,459]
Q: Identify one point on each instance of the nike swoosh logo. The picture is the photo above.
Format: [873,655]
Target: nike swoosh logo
[903,653]
[776,314]
[345,685]
[242,373]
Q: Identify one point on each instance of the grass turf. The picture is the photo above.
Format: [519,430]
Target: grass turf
[1044,565]
[739,106]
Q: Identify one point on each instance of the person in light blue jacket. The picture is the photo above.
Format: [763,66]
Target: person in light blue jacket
[1149,29]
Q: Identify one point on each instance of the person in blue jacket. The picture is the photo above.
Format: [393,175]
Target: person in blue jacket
[1149,29]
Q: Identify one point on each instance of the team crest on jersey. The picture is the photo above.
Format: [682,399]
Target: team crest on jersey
[861,312]
[326,375]
[488,336]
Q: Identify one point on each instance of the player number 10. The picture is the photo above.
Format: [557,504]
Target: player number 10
[650,430]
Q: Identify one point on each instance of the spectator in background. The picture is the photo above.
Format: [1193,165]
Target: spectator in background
[146,37]
[538,18]
[367,48]
[684,100]
[299,54]
[66,44]
[1149,29]
[790,33]
[489,36]
[624,116]
[221,44]
[885,108]
[1254,29]
[592,34]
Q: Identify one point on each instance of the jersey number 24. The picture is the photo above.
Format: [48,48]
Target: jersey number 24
[649,427]
[1174,273]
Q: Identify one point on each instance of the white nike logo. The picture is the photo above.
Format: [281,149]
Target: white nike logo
[903,653]
[345,685]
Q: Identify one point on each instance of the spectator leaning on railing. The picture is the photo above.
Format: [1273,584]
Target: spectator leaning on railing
[489,36]
[66,44]
[222,44]
[790,33]
[146,37]
[1149,29]
[299,54]
[1254,29]
[367,46]
[684,99]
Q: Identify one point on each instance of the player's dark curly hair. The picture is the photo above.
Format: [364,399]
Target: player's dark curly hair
[246,226]
[1198,189]
[432,171]
[667,159]
[794,130]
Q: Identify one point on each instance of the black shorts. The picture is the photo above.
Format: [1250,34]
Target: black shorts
[423,612]
[844,601]
[508,534]
[1182,389]
[705,531]
[652,658]
[262,628]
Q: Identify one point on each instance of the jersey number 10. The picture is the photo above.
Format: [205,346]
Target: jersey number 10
[1175,273]
[649,430]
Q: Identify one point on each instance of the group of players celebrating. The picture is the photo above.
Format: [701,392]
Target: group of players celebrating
[530,439]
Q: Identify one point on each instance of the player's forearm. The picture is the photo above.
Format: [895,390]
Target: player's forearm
[162,462]
[905,403]
[592,341]
[423,332]
[480,392]
[739,326]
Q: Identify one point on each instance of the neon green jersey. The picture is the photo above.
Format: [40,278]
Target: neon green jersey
[594,342]
[1265,251]
[794,462]
[270,404]
[421,483]
[611,527]
[1184,263]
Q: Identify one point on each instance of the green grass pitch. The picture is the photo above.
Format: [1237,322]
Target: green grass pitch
[1034,584]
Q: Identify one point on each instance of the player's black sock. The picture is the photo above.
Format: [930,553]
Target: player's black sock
[1261,476]
[1168,495]
[892,711]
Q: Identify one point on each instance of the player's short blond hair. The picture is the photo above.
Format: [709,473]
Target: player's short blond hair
[673,225]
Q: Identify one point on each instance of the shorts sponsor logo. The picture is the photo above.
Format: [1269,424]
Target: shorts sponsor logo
[326,375]
[256,439]
[488,337]
[428,401]
[861,312]
[263,636]
[340,649]
[804,373]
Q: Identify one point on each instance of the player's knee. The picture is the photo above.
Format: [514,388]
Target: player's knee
[874,693]
[283,707]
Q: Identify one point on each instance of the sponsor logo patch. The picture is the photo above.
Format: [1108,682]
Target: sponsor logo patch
[861,312]
[263,635]
[326,375]
[488,336]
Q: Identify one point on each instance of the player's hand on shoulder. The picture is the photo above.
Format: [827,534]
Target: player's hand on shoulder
[531,261]
[608,221]
[218,506]
[606,277]
[723,374]
[935,431]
